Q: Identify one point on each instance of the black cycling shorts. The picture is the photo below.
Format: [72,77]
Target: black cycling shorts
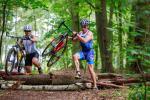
[29,57]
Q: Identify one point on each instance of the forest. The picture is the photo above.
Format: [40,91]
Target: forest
[121,31]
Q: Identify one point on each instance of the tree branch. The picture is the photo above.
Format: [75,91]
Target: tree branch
[88,2]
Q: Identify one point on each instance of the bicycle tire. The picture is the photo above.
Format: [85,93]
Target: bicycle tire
[12,62]
[47,50]
[55,56]
[21,64]
[53,59]
[52,45]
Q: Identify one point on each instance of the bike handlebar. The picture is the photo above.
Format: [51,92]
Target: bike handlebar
[17,37]
[63,23]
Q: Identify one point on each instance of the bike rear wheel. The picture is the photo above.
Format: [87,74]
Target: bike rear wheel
[11,61]
[53,59]
[48,50]
[55,50]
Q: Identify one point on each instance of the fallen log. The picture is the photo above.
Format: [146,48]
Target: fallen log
[109,85]
[108,76]
[64,80]
[44,79]
[104,84]
[125,81]
[77,86]
[52,79]
[31,79]
[3,73]
[128,80]
[114,76]
[148,84]
[146,76]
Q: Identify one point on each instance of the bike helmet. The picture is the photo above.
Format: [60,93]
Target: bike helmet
[27,28]
[84,22]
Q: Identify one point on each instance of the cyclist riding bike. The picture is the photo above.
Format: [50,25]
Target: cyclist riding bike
[85,37]
[32,55]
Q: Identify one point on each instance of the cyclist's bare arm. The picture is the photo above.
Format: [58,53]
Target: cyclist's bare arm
[75,39]
[88,37]
[33,38]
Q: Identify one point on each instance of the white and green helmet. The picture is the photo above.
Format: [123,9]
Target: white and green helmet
[84,22]
[27,28]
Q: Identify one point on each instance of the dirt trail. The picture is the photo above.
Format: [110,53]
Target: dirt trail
[108,94]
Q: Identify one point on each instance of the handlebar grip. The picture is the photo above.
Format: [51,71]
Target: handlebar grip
[61,24]
[74,35]
[26,38]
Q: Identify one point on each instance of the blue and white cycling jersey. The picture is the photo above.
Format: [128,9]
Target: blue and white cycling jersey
[87,52]
[88,45]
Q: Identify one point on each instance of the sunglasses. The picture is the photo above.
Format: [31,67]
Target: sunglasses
[83,26]
[27,31]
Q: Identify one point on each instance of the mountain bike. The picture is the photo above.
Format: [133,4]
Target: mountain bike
[56,48]
[16,56]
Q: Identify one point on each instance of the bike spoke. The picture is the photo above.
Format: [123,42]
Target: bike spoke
[55,50]
[11,61]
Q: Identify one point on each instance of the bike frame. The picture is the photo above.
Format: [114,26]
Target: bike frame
[18,52]
[17,46]
[60,45]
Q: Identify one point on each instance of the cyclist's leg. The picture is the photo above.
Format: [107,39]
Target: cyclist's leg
[90,61]
[93,75]
[36,62]
[76,57]
[28,64]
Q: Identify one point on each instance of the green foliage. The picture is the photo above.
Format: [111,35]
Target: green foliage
[137,92]
[45,16]
[1,66]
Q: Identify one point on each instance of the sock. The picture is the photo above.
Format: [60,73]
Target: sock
[40,70]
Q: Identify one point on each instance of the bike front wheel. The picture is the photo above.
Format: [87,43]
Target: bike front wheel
[11,61]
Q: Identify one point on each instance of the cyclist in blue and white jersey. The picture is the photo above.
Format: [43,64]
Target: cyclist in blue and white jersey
[85,37]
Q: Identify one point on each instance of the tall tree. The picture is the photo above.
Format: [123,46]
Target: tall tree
[74,5]
[142,23]
[75,24]
[119,17]
[101,25]
[4,5]
[110,25]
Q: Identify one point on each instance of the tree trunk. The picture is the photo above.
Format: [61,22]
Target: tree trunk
[110,33]
[71,87]
[44,79]
[3,26]
[96,56]
[141,23]
[120,35]
[74,10]
[101,25]
[75,21]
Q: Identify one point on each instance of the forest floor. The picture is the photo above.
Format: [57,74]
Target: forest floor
[102,94]
[108,94]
